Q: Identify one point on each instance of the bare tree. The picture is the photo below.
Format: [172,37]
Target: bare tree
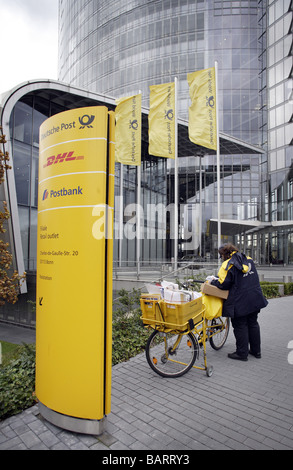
[9,280]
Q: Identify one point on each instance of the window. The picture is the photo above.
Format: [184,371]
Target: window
[23,122]
[21,164]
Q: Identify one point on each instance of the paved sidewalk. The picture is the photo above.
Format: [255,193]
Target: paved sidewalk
[244,405]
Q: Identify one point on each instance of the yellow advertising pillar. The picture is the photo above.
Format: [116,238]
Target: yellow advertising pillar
[74,269]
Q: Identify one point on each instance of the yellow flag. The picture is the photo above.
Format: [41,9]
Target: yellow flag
[202,125]
[128,130]
[162,120]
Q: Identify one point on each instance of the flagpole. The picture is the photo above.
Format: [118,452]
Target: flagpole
[200,205]
[176,180]
[138,222]
[121,216]
[218,158]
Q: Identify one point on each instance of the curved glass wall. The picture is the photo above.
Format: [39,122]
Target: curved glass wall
[119,48]
[26,117]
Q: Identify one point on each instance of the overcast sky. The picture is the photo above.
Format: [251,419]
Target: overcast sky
[29,41]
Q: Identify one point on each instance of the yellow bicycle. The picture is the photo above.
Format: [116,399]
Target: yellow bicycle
[180,334]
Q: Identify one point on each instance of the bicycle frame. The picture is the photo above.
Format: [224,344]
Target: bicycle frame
[173,325]
[213,330]
[202,332]
[201,336]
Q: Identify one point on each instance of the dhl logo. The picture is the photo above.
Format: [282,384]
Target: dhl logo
[60,158]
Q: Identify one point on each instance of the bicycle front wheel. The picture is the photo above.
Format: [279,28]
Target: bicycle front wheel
[218,330]
[170,354]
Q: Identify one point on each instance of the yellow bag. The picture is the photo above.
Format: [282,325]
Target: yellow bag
[213,306]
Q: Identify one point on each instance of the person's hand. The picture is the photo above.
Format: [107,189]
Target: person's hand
[209,279]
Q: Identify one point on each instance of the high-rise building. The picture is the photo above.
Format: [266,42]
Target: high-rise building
[120,48]
[113,49]
[277,104]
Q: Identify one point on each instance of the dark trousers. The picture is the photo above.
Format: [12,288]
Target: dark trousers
[247,333]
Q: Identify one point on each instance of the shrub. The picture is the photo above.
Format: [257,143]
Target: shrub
[17,383]
[270,290]
[17,377]
[129,335]
[288,288]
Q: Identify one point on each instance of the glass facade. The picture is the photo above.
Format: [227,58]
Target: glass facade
[277,62]
[25,120]
[153,228]
[113,49]
[119,48]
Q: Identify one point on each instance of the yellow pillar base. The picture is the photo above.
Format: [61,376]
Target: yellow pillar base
[79,425]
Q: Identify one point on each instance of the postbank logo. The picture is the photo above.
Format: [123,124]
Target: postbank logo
[61,158]
[61,192]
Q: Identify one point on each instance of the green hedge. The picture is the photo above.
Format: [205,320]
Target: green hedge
[17,378]
[17,382]
[288,288]
[271,289]
[129,334]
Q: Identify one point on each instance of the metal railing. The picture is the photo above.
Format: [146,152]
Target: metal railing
[156,271]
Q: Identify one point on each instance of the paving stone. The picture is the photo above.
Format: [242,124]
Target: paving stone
[30,439]
[242,406]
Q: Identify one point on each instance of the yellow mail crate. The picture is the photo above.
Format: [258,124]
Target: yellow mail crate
[160,314]
[150,307]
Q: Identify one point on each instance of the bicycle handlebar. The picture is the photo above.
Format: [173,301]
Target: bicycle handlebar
[192,281]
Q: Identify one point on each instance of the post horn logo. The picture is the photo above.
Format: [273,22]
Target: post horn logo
[133,124]
[210,101]
[86,121]
[169,114]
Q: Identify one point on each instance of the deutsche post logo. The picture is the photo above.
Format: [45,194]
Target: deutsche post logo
[169,114]
[133,124]
[210,101]
[86,121]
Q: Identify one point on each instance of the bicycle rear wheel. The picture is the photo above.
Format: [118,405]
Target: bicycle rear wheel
[170,354]
[218,330]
